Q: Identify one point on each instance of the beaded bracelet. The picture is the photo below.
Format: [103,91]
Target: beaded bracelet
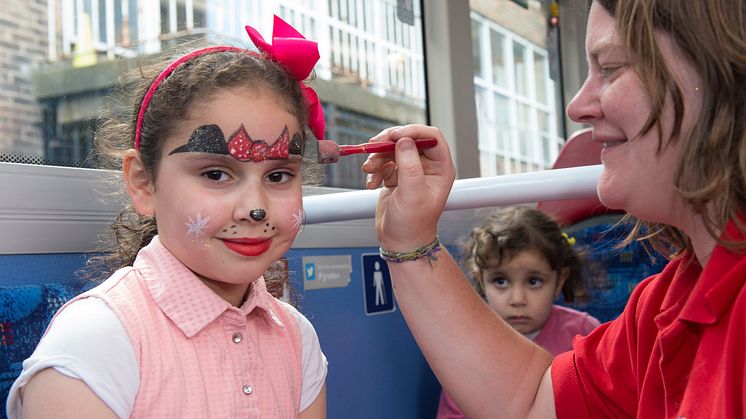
[429,251]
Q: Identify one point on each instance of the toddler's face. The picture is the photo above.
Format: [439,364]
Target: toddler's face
[227,203]
[522,290]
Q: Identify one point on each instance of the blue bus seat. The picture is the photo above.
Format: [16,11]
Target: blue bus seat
[611,272]
[25,311]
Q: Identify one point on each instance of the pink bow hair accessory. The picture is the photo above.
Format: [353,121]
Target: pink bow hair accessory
[298,55]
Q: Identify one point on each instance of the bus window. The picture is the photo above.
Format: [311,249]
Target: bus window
[370,75]
[517,85]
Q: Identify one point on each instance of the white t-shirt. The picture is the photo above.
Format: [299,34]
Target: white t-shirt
[102,356]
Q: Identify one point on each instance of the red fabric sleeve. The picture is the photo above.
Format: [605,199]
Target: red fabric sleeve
[567,389]
[600,375]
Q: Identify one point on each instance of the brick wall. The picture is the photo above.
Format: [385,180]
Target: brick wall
[23,45]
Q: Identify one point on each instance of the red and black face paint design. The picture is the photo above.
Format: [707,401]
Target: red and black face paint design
[210,139]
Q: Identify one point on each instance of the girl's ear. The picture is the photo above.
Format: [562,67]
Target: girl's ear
[138,183]
[564,273]
[478,277]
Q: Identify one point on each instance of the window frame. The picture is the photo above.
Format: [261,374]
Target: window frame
[48,209]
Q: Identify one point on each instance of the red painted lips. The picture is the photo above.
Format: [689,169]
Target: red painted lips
[248,246]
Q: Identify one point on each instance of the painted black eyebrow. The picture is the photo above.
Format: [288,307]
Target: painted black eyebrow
[205,139]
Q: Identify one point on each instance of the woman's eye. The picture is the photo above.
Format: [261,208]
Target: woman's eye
[215,175]
[609,70]
[280,177]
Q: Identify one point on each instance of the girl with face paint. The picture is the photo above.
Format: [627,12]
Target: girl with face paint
[213,161]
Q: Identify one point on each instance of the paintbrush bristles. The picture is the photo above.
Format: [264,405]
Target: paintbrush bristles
[328,152]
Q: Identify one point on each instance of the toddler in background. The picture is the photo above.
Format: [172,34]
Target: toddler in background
[212,159]
[519,261]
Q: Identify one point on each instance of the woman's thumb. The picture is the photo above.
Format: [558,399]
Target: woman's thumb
[408,163]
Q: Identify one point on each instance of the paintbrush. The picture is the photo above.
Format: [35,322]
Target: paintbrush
[330,152]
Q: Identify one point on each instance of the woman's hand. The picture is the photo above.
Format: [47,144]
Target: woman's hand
[416,187]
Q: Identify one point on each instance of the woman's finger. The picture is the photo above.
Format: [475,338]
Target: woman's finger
[384,135]
[390,176]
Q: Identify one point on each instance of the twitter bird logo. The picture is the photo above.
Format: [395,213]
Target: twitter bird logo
[310,271]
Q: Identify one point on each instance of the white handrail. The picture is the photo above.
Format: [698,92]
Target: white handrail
[575,182]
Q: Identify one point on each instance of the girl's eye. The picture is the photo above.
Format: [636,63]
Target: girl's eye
[216,175]
[500,282]
[535,282]
[280,177]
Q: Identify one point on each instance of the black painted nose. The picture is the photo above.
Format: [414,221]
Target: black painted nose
[257,214]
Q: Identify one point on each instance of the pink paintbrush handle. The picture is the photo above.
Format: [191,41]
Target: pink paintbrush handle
[383,147]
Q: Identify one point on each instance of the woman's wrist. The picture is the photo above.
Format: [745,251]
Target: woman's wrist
[428,251]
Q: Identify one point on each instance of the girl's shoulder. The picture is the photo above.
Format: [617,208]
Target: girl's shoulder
[566,315]
[90,316]
[301,320]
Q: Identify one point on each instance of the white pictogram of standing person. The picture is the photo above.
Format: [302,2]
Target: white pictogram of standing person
[378,284]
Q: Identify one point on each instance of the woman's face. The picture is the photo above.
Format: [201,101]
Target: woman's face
[636,177]
[522,290]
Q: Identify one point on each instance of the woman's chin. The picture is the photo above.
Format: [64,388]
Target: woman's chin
[609,196]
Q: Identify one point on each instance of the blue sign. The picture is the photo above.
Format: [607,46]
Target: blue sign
[377,288]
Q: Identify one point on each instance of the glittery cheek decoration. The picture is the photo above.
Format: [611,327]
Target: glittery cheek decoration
[296,220]
[196,227]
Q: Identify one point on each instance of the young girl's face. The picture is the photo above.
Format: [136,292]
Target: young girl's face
[522,290]
[228,216]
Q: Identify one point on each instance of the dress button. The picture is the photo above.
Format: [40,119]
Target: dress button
[248,389]
[237,337]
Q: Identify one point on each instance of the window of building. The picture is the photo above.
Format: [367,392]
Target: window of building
[370,75]
[515,95]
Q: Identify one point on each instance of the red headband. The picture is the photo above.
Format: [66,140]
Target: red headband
[289,48]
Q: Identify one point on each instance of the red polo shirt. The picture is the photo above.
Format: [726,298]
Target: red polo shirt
[678,349]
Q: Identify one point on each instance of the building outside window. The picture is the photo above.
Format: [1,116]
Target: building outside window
[68,55]
[515,95]
[370,75]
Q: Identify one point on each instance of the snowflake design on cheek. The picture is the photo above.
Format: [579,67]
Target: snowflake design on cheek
[197,225]
[297,220]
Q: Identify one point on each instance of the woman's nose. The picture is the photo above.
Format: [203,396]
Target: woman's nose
[585,107]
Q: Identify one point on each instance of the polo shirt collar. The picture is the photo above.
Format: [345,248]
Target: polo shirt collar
[185,299]
[719,283]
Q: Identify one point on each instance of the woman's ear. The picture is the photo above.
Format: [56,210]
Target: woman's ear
[564,273]
[138,183]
